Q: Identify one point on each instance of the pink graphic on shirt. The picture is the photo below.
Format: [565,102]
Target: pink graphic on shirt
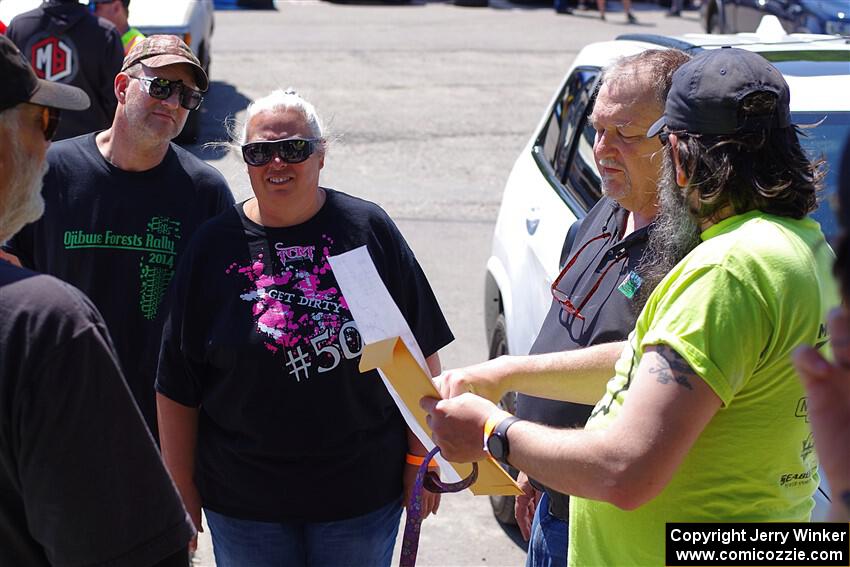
[299,310]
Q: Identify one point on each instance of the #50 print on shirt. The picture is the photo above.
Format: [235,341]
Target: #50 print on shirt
[298,309]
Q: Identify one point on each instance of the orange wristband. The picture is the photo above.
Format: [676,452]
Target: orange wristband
[417,461]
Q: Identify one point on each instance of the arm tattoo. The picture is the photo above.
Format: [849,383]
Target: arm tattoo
[675,370]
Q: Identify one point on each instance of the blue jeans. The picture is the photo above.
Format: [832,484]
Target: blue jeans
[364,540]
[548,544]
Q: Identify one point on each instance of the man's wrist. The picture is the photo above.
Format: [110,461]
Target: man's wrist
[496,442]
[495,418]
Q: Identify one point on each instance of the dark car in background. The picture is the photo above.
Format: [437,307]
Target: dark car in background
[796,16]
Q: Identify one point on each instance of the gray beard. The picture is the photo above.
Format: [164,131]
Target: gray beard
[20,201]
[674,234]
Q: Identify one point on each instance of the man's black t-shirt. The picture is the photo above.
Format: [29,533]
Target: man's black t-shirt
[261,339]
[609,315]
[81,481]
[117,236]
[67,44]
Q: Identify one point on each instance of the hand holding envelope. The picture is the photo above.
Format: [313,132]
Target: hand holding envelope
[391,348]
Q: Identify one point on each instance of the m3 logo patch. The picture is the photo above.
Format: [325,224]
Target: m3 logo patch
[53,58]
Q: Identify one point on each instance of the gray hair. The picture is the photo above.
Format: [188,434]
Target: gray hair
[653,67]
[278,100]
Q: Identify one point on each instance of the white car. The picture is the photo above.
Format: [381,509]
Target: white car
[191,20]
[555,180]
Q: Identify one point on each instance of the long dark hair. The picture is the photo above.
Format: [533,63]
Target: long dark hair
[842,250]
[765,169]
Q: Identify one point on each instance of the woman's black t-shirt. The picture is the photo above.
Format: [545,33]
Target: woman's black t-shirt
[262,341]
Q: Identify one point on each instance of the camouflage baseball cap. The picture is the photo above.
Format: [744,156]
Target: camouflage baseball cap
[161,50]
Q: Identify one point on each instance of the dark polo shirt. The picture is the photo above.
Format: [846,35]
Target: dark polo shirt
[609,314]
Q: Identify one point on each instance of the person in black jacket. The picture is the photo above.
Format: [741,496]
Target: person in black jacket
[67,44]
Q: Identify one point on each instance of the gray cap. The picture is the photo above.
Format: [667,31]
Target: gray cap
[707,92]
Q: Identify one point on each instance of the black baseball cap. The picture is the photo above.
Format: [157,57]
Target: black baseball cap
[706,94]
[18,83]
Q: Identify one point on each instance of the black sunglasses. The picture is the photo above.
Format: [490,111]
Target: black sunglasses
[293,150]
[161,89]
[49,121]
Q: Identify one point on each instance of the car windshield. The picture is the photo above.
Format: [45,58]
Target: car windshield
[825,140]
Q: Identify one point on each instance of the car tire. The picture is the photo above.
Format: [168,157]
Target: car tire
[503,506]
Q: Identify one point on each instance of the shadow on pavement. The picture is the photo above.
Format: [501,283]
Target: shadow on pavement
[512,531]
[221,104]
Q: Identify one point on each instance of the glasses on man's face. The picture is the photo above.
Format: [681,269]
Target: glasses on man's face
[161,89]
[562,298]
[49,121]
[293,150]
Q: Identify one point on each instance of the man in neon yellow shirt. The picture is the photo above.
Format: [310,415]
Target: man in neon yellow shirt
[701,421]
[118,12]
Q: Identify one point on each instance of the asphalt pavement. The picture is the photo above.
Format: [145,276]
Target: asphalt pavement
[428,105]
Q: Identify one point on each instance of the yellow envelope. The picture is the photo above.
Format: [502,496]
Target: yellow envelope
[412,384]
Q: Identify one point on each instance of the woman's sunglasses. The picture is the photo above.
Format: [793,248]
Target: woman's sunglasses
[161,89]
[293,150]
[49,121]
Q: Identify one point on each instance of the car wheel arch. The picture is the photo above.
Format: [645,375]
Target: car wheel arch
[497,298]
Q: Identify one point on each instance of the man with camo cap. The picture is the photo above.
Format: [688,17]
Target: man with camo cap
[122,204]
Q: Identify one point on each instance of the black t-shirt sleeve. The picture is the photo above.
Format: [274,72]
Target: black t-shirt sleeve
[180,364]
[225,200]
[412,292]
[93,486]
[213,195]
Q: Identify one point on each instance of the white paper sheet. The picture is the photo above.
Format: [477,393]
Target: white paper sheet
[377,317]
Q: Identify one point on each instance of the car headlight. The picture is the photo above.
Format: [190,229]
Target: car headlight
[837,27]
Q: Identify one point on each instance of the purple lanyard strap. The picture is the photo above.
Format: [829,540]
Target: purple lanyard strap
[430,481]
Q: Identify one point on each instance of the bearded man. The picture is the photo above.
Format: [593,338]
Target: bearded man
[603,283]
[700,422]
